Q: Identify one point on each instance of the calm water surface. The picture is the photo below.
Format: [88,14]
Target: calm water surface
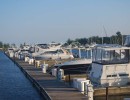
[13,84]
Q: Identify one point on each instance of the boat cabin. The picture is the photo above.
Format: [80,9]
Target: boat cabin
[110,66]
[127,41]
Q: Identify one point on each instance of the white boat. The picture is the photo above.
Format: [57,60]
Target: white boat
[74,67]
[110,65]
[79,66]
[41,48]
[11,51]
[127,41]
[54,54]
[25,47]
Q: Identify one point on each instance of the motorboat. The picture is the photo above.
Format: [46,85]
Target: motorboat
[78,66]
[54,54]
[72,67]
[110,66]
[42,48]
[11,51]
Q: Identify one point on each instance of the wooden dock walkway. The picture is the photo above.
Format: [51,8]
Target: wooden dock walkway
[49,86]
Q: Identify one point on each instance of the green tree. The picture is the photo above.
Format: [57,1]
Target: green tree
[119,37]
[82,41]
[106,40]
[69,41]
[1,44]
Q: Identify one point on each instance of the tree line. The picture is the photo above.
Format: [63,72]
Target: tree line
[118,38]
[4,45]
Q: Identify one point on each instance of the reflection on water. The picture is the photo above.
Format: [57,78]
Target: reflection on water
[13,84]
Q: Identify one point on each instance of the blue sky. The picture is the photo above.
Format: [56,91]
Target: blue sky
[44,21]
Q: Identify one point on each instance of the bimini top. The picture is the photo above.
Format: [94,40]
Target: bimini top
[111,54]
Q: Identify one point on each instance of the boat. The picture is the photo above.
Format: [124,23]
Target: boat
[41,48]
[110,65]
[127,41]
[11,51]
[79,66]
[74,67]
[54,54]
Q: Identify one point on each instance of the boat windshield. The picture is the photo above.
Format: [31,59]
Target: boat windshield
[111,55]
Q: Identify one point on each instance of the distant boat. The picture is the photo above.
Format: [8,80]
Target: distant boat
[54,54]
[41,48]
[11,51]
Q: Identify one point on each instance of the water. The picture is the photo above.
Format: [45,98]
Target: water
[13,84]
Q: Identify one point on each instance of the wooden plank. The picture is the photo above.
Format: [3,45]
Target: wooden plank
[55,90]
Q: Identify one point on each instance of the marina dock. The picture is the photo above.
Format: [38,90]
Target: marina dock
[49,86]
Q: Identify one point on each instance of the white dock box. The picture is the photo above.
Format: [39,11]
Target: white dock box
[37,63]
[82,85]
[75,81]
[60,74]
[44,67]
[54,72]
[26,59]
[31,61]
[11,54]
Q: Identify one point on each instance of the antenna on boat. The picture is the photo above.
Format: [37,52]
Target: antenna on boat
[105,31]
[105,34]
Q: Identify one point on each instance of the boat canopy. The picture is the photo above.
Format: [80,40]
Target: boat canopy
[111,55]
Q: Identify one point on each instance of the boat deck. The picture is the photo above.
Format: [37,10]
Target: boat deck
[49,86]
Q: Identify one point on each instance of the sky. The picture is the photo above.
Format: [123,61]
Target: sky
[44,21]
